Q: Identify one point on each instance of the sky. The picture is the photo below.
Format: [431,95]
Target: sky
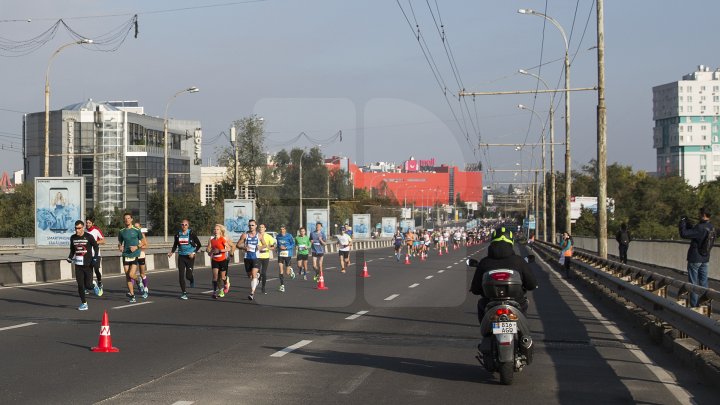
[322,66]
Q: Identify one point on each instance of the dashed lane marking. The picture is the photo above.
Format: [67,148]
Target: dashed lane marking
[357,315]
[183,403]
[441,271]
[429,277]
[356,382]
[291,348]
[448,267]
[133,305]
[392,297]
[22,325]
[414,285]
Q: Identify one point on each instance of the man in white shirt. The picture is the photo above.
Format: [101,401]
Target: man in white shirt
[344,243]
[100,239]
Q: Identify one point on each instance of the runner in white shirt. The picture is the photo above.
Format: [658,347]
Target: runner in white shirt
[344,243]
[100,239]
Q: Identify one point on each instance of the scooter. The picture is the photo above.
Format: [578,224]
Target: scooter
[507,346]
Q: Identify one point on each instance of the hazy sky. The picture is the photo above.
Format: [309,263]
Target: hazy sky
[321,66]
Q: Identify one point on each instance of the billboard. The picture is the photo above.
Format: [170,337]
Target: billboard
[405,213]
[315,215]
[407,224]
[389,224]
[59,202]
[237,213]
[361,225]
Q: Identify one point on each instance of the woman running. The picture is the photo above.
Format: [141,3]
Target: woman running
[218,247]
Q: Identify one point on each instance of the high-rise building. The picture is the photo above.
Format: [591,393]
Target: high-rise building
[686,130]
[118,149]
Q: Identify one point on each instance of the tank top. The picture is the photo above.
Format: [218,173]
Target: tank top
[251,246]
[219,244]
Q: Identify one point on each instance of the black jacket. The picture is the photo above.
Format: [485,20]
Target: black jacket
[501,256]
[82,249]
[697,235]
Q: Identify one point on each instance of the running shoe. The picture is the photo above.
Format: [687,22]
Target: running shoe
[281,288]
[315,277]
[184,296]
[305,277]
[83,307]
[100,291]
[264,291]
[96,289]
[192,283]
[292,273]
[227,285]
[221,293]
[145,293]
[132,299]
[127,294]
[251,297]
[140,284]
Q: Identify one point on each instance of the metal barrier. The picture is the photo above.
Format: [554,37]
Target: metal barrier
[648,290]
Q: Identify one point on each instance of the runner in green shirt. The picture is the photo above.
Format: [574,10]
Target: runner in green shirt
[129,241]
[302,242]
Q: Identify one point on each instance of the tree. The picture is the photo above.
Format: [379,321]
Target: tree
[18,212]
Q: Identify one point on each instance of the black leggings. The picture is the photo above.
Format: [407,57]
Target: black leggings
[263,270]
[185,270]
[84,278]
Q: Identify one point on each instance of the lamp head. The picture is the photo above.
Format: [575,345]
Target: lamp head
[192,89]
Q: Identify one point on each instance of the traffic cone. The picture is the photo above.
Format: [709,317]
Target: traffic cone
[407,259]
[365,271]
[105,341]
[321,283]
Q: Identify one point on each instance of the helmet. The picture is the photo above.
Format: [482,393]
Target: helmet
[502,234]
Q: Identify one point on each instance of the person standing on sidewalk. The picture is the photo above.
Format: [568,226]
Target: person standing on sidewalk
[83,253]
[566,252]
[623,239]
[187,244]
[100,239]
[702,237]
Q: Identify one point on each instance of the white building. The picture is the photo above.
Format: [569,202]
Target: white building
[686,126]
[210,179]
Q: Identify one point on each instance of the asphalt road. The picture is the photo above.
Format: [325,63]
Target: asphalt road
[407,334]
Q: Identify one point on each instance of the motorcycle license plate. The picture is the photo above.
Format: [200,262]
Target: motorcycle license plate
[504,327]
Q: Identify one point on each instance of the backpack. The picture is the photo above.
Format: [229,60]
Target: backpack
[624,237]
[708,242]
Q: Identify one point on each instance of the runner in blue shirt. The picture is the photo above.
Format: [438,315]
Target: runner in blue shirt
[318,240]
[285,248]
[398,240]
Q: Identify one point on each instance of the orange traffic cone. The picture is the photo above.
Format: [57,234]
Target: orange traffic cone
[364,272]
[105,341]
[321,283]
[407,259]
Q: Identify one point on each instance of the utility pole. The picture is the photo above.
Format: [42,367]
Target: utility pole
[601,136]
[233,139]
[301,197]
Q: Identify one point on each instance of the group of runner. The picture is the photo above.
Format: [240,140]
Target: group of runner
[420,242]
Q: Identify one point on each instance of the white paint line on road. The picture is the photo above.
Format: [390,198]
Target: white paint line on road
[369,260]
[183,403]
[429,277]
[22,325]
[133,305]
[392,297]
[414,285]
[357,315]
[329,268]
[207,292]
[382,258]
[441,271]
[355,382]
[448,267]
[291,348]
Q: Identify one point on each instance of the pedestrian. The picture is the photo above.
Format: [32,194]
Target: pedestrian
[83,253]
[100,239]
[566,252]
[187,244]
[318,240]
[142,280]
[129,242]
[623,238]
[344,243]
[702,237]
[218,247]
[249,243]
[285,247]
[302,241]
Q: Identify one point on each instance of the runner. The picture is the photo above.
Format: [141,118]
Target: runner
[456,238]
[266,242]
[218,248]
[286,247]
[303,243]
[409,240]
[426,244]
[84,253]
[345,243]
[318,240]
[100,239]
[249,243]
[398,242]
[142,280]
[129,242]
[188,244]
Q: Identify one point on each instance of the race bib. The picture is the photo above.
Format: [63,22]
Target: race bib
[284,253]
[316,243]
[251,248]
[79,260]
[302,247]
[184,240]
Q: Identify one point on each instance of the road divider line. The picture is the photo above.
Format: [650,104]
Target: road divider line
[22,325]
[441,271]
[448,267]
[291,348]
[357,315]
[392,297]
[414,285]
[355,382]
[429,277]
[132,305]
[183,403]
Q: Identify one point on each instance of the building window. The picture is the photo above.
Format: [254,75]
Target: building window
[689,109]
[209,193]
[689,89]
[689,99]
[716,98]
[702,88]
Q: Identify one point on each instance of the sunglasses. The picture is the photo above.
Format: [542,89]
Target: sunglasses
[78,227]
[183,224]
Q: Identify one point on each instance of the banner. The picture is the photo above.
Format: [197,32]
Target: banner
[237,213]
[361,226]
[59,202]
[389,224]
[407,224]
[315,215]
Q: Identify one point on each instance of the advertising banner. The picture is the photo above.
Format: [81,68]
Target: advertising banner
[315,215]
[389,224]
[361,226]
[407,224]
[59,202]
[237,213]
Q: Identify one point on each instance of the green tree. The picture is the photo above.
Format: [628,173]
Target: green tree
[18,212]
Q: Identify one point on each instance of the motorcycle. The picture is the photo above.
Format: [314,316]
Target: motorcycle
[507,346]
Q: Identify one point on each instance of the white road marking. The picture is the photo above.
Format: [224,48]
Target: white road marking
[183,403]
[414,285]
[382,258]
[133,305]
[369,260]
[392,297]
[357,315]
[22,325]
[441,271]
[291,348]
[429,277]
[448,267]
[355,382]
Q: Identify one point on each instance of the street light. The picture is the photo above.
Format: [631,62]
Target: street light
[47,100]
[544,198]
[568,169]
[552,157]
[165,180]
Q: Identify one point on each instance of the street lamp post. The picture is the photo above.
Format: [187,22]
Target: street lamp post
[568,168]
[47,100]
[544,198]
[165,147]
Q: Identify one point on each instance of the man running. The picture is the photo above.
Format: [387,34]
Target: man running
[83,253]
[318,241]
[398,242]
[249,243]
[188,244]
[302,241]
[129,242]
[100,239]
[285,247]
[218,247]
[142,280]
[266,242]
[345,243]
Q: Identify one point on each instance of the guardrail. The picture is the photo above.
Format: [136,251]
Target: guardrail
[649,290]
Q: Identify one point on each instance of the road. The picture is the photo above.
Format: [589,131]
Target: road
[407,334]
